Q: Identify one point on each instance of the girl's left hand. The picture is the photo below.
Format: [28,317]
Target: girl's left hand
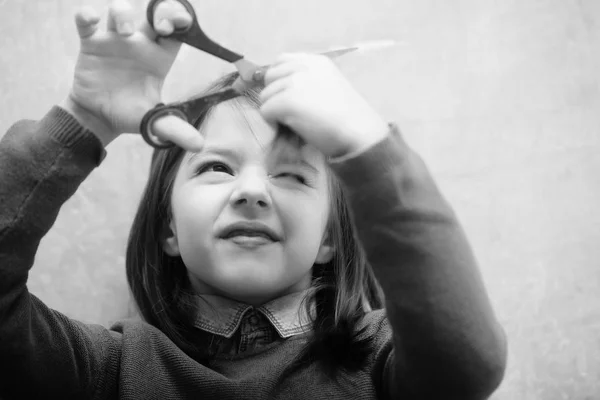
[309,94]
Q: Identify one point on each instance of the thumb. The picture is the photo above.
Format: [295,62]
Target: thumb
[174,129]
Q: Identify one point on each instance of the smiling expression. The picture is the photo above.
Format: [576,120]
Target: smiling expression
[249,222]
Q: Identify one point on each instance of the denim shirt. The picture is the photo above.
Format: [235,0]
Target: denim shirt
[240,327]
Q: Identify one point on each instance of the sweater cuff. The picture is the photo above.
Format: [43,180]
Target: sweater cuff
[369,165]
[63,128]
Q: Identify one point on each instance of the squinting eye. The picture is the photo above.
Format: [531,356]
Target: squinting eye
[213,167]
[297,177]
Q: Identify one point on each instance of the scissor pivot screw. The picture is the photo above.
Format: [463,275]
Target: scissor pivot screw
[259,75]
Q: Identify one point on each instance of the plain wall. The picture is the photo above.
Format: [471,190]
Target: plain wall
[501,98]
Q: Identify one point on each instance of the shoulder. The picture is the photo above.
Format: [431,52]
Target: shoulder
[375,322]
[139,336]
[134,327]
[375,327]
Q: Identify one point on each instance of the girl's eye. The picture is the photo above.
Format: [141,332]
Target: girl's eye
[213,166]
[290,175]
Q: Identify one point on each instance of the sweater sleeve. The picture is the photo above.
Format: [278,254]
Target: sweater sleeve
[44,354]
[446,340]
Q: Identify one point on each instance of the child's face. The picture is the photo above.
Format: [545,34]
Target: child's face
[236,179]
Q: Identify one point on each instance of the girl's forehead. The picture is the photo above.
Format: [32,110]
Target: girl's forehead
[239,126]
[235,123]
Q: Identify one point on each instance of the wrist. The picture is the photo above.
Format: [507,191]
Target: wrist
[88,120]
[364,136]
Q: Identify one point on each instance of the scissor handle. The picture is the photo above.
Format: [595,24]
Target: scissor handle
[193,34]
[160,110]
[189,111]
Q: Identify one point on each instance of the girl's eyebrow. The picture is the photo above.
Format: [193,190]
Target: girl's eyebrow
[237,155]
[221,151]
[301,162]
[296,160]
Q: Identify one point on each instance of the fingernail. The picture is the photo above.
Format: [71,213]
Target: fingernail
[183,16]
[126,28]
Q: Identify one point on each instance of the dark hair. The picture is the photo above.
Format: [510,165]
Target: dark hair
[343,289]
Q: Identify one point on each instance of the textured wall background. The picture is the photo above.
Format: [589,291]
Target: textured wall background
[501,98]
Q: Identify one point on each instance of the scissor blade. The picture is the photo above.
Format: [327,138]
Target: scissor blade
[364,46]
[339,52]
[252,75]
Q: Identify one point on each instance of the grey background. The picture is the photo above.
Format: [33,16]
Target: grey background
[501,98]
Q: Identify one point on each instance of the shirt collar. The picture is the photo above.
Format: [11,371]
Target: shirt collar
[223,316]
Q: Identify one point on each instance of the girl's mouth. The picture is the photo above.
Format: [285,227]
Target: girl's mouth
[249,241]
[250,229]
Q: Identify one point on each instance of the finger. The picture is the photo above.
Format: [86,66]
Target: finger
[302,60]
[273,89]
[170,45]
[147,30]
[274,109]
[279,71]
[121,18]
[290,57]
[174,129]
[182,19]
[86,21]
[180,16]
[169,15]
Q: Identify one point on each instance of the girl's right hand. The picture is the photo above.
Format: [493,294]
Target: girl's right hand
[309,94]
[121,69]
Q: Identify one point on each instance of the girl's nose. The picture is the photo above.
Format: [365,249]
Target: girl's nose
[252,191]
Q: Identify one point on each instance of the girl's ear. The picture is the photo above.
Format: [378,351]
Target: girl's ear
[169,241]
[326,251]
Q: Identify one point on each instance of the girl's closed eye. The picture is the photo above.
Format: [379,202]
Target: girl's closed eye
[293,176]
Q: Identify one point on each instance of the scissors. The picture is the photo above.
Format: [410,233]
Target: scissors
[250,75]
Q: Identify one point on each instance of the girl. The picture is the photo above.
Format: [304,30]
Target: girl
[256,261]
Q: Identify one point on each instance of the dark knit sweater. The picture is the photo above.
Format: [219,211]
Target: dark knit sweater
[437,338]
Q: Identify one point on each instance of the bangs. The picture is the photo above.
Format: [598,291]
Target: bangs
[287,145]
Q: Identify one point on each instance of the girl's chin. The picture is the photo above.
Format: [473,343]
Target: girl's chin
[253,293]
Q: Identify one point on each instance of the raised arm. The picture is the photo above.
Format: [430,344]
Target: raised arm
[42,351]
[447,342]
[118,77]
